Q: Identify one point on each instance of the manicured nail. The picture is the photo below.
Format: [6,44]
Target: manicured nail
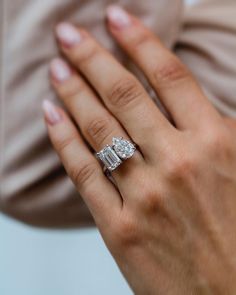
[52,114]
[60,70]
[118,17]
[68,34]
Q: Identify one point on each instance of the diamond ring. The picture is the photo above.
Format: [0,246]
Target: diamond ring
[112,156]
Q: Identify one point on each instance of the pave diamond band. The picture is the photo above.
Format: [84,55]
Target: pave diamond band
[113,155]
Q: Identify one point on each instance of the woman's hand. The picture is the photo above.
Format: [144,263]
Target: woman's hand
[170,221]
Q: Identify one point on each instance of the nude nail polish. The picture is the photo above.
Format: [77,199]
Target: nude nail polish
[60,70]
[68,34]
[118,17]
[52,115]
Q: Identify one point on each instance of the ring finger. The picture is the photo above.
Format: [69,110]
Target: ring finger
[122,93]
[96,123]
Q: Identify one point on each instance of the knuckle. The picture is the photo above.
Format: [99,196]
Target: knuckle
[218,142]
[85,54]
[179,167]
[64,143]
[83,174]
[139,39]
[126,233]
[99,129]
[71,88]
[124,92]
[171,72]
[149,201]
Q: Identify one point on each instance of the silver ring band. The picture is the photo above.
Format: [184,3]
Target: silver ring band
[112,156]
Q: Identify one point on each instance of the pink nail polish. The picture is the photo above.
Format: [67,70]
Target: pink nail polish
[118,17]
[68,34]
[60,70]
[52,115]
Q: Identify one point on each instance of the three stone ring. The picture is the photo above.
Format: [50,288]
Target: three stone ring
[112,156]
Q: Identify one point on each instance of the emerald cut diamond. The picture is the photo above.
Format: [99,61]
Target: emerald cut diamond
[113,155]
[109,158]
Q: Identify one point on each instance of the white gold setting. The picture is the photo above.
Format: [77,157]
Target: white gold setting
[109,158]
[113,155]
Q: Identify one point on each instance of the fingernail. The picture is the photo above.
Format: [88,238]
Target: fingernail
[52,115]
[60,70]
[68,34]
[118,16]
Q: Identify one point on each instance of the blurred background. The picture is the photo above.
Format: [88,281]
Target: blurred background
[73,262]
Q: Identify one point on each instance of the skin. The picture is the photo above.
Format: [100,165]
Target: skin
[170,220]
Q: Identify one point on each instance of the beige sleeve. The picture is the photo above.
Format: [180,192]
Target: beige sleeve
[207,45]
[34,186]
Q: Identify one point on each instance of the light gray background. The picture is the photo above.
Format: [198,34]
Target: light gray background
[40,262]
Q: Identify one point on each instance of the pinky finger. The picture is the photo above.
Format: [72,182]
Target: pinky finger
[98,192]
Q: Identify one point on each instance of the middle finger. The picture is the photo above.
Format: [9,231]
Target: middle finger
[96,124]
